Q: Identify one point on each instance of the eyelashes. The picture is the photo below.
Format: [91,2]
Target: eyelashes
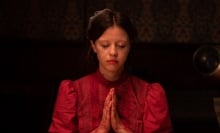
[117,45]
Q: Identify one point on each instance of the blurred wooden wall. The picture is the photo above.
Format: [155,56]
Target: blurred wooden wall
[160,21]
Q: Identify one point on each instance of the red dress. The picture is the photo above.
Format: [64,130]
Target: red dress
[142,106]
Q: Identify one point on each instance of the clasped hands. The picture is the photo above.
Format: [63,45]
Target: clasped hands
[110,117]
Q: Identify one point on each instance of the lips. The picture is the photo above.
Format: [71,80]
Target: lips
[112,61]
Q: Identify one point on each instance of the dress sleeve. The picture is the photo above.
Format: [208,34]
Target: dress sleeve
[156,112]
[64,118]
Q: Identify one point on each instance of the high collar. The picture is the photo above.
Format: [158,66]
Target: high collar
[106,82]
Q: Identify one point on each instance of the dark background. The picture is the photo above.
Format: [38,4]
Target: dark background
[43,42]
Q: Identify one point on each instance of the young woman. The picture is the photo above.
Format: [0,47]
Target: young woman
[110,100]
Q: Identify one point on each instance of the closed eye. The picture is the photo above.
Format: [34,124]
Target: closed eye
[104,45]
[122,46]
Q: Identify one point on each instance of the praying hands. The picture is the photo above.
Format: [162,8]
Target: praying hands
[110,117]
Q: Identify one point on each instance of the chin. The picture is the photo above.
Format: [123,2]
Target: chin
[115,70]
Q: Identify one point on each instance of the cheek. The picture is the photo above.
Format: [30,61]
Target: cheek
[124,55]
[127,52]
[100,55]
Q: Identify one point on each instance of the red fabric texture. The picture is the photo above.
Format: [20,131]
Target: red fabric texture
[142,106]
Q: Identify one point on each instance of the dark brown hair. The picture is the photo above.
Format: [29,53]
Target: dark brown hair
[102,20]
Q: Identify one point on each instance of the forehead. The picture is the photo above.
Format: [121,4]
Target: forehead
[114,33]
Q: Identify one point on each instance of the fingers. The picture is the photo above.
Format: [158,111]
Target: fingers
[108,99]
[114,114]
[115,120]
[110,117]
[107,105]
[106,116]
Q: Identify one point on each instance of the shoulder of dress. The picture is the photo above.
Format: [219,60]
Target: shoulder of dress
[140,81]
[156,85]
[77,82]
[84,79]
[156,90]
[80,79]
[66,82]
[149,86]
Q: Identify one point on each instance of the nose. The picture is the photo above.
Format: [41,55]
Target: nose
[113,51]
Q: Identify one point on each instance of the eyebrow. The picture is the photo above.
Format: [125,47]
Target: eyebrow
[126,41]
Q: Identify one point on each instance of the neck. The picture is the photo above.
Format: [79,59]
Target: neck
[111,76]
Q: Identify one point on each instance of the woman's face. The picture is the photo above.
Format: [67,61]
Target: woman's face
[112,49]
